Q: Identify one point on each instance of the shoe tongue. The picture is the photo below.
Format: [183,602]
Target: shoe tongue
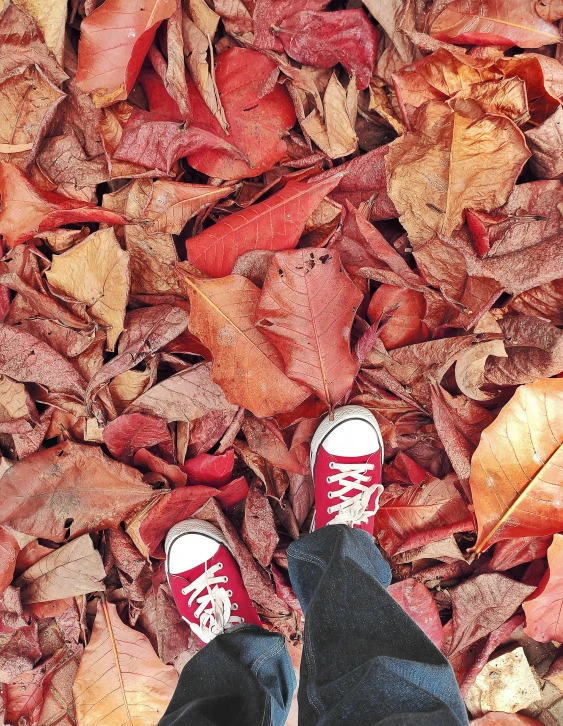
[371,459]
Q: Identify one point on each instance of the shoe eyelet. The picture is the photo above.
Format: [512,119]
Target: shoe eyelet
[219,566]
[230,593]
[225,578]
[234,606]
[242,620]
[331,464]
[329,495]
[184,591]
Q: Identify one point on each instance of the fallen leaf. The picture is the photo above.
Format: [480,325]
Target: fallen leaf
[74,569]
[416,601]
[505,719]
[223,317]
[512,552]
[95,272]
[114,40]
[210,470]
[306,310]
[420,514]
[544,142]
[470,367]
[130,432]
[544,620]
[9,550]
[270,13]
[27,211]
[19,642]
[258,527]
[550,10]
[186,396]
[483,604]
[256,124]
[274,224]
[514,479]
[152,262]
[43,495]
[173,473]
[325,39]
[51,20]
[30,101]
[444,167]
[161,622]
[406,309]
[482,22]
[120,676]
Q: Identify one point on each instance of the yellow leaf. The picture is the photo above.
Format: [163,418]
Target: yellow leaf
[120,681]
[335,133]
[95,272]
[50,17]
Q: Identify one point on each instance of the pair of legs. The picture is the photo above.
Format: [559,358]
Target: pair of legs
[365,661]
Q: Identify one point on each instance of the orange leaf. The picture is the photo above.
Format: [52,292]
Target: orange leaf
[246,365]
[544,609]
[120,679]
[307,309]
[114,41]
[275,224]
[516,471]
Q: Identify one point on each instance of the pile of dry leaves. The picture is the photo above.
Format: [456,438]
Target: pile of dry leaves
[220,219]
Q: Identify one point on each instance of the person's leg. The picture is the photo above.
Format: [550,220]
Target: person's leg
[244,675]
[365,661]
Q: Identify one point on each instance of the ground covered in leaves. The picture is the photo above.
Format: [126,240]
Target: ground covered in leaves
[222,218]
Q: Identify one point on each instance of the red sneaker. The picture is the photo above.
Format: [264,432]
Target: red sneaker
[346,462]
[205,580]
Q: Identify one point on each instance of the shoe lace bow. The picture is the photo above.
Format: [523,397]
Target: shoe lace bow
[214,611]
[353,508]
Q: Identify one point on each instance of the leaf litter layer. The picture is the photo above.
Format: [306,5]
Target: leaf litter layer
[218,222]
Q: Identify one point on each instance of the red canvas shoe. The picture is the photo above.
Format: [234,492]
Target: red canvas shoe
[346,462]
[205,580]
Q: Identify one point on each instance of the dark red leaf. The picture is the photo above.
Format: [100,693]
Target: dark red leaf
[130,432]
[210,470]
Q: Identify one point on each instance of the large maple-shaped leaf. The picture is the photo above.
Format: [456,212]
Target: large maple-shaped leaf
[493,22]
[68,490]
[27,210]
[120,679]
[544,610]
[456,158]
[307,308]
[483,604]
[256,121]
[245,364]
[274,224]
[114,40]
[516,471]
[414,516]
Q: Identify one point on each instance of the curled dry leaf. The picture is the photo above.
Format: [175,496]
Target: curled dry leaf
[545,142]
[50,19]
[258,528]
[114,40]
[245,364]
[274,224]
[306,310]
[152,262]
[95,272]
[120,678]
[493,22]
[515,478]
[9,550]
[470,366]
[544,609]
[44,494]
[74,569]
[445,165]
[27,211]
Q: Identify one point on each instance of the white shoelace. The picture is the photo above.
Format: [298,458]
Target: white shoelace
[214,610]
[353,509]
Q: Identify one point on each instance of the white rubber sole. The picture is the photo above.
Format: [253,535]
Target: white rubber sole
[192,526]
[345,413]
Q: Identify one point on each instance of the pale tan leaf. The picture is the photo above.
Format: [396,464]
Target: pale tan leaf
[74,569]
[335,134]
[50,18]
[120,679]
[128,386]
[96,272]
[546,145]
[13,400]
[470,366]
[206,19]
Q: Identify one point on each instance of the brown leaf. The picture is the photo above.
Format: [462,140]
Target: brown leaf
[258,527]
[152,261]
[51,20]
[167,631]
[95,272]
[246,365]
[483,604]
[30,101]
[19,643]
[44,495]
[74,569]
[449,144]
[471,365]
[120,677]
[515,478]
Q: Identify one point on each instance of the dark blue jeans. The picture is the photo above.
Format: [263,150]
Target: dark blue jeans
[365,661]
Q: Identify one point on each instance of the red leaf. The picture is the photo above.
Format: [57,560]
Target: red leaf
[270,13]
[180,504]
[27,210]
[325,39]
[114,40]
[256,123]
[416,601]
[210,470]
[512,552]
[133,431]
[407,309]
[544,610]
[173,473]
[258,527]
[274,224]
